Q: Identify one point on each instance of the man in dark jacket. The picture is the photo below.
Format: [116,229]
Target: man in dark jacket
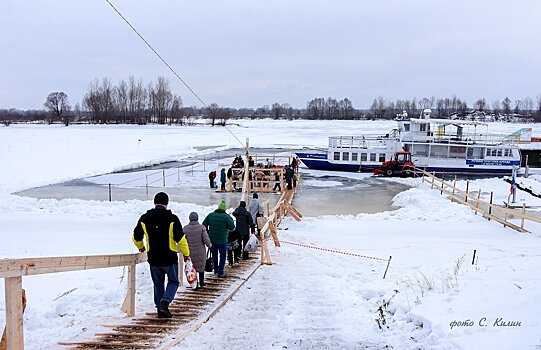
[222,179]
[218,224]
[212,177]
[244,223]
[163,232]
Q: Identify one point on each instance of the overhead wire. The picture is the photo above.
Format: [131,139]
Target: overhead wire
[170,68]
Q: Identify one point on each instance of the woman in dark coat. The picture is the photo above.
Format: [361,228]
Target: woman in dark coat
[244,223]
[197,237]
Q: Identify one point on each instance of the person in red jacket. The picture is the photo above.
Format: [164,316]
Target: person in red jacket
[163,232]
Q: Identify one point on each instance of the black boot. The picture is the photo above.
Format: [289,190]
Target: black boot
[201,279]
[163,310]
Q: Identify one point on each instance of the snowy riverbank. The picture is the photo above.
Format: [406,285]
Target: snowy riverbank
[308,298]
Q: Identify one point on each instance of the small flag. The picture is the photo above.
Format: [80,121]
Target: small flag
[513,183]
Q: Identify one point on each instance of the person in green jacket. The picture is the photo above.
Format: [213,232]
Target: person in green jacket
[218,224]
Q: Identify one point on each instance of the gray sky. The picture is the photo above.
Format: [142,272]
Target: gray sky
[250,53]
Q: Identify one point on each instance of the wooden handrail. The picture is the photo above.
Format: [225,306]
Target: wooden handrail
[470,198]
[37,266]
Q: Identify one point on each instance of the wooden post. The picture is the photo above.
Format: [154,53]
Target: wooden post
[163,176]
[454,186]
[467,189]
[490,205]
[523,213]
[478,198]
[507,207]
[387,268]
[14,313]
[442,182]
[129,302]
[473,259]
[432,185]
[110,194]
[146,184]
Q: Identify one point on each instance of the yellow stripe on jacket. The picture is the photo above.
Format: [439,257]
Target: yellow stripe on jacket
[139,244]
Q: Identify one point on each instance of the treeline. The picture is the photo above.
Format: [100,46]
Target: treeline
[133,101]
[456,108]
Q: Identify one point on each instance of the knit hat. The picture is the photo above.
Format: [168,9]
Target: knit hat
[222,205]
[242,204]
[161,198]
[255,195]
[193,216]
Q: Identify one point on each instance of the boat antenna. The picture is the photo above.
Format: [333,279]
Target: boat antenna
[170,68]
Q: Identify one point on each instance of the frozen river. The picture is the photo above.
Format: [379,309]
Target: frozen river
[320,193]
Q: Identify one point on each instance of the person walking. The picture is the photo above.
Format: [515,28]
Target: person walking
[277,185]
[218,224]
[233,251]
[222,179]
[197,237]
[163,233]
[255,208]
[244,223]
[289,177]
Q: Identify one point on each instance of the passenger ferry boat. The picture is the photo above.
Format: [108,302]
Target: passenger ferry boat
[436,145]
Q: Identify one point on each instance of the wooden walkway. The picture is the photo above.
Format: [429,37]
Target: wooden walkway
[190,308]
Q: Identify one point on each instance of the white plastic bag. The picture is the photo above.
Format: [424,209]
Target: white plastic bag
[191,274]
[252,244]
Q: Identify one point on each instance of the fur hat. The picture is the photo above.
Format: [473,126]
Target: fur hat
[161,198]
[222,205]
[193,216]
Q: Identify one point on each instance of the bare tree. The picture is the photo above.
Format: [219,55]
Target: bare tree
[480,104]
[506,105]
[276,111]
[57,104]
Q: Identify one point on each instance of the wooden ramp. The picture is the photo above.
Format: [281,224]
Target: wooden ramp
[191,309]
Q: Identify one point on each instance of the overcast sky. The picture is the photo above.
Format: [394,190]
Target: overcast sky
[250,53]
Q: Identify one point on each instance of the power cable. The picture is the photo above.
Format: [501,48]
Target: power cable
[170,68]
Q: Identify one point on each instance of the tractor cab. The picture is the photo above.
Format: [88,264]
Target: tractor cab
[402,157]
[400,164]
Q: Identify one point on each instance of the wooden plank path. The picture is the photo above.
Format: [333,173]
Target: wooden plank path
[190,308]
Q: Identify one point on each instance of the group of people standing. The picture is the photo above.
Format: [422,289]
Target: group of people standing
[163,233]
[258,177]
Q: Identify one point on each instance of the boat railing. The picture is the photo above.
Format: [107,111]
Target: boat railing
[467,138]
[367,141]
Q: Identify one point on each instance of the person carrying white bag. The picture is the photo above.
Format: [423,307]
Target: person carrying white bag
[252,244]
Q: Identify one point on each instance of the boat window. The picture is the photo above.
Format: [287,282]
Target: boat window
[382,157]
[507,152]
[423,127]
[499,152]
[345,156]
[336,155]
[372,157]
[488,152]
[494,152]
[406,128]
[354,156]
[364,157]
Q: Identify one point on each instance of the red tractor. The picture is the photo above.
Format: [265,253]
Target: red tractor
[400,165]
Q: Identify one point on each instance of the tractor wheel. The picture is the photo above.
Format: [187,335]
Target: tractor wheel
[408,172]
[388,172]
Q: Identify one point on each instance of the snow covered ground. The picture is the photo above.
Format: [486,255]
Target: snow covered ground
[308,298]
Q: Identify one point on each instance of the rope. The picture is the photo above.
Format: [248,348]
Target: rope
[334,251]
[170,68]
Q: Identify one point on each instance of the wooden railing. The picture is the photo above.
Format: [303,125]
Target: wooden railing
[13,270]
[488,210]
